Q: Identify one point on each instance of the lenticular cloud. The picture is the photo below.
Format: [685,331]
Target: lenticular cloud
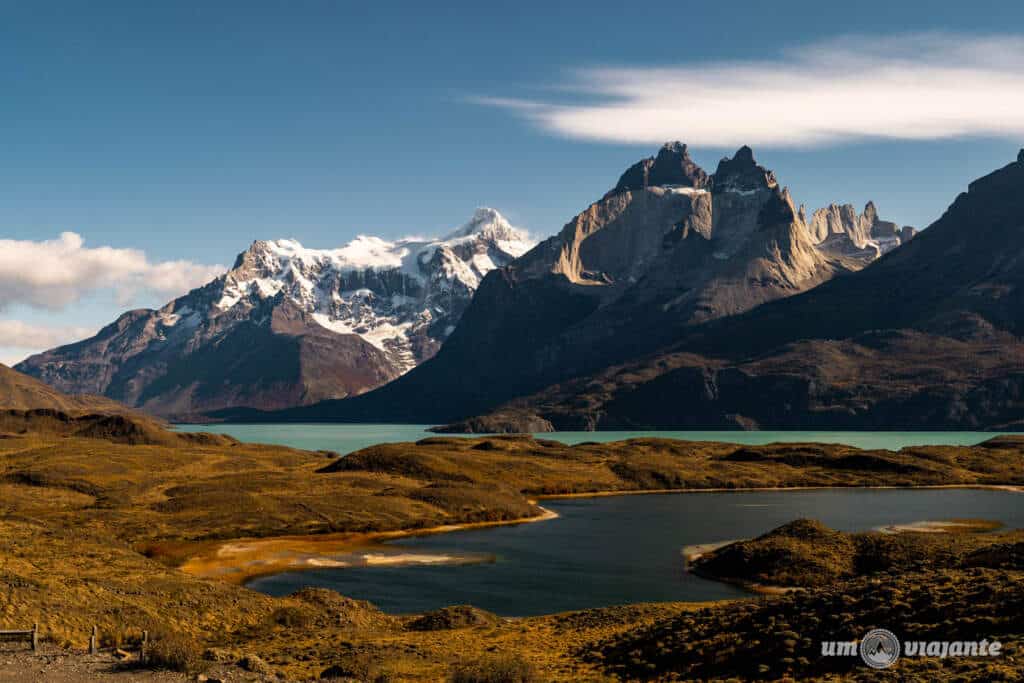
[918,87]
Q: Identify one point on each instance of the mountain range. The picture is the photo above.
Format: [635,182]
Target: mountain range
[669,252]
[680,298]
[289,326]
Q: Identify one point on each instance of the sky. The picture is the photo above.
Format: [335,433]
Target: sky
[143,145]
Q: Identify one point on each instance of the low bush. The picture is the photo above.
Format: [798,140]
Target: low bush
[501,669]
[174,651]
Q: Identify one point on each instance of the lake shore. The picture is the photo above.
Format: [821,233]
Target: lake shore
[239,561]
[754,489]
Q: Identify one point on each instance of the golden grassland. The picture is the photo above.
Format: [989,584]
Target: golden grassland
[96,530]
[961,584]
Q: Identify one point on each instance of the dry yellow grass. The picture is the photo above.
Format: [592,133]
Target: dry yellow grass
[93,532]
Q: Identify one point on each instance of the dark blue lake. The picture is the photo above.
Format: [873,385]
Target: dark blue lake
[622,549]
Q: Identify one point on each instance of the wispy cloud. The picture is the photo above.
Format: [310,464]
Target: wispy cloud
[912,87]
[52,274]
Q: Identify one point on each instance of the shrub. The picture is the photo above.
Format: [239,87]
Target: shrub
[174,651]
[502,669]
[356,671]
[292,617]
[255,664]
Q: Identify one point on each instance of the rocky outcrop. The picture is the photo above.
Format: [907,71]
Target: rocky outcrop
[289,326]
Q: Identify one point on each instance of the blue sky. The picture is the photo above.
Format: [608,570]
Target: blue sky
[185,130]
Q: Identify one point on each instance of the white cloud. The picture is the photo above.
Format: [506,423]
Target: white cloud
[19,339]
[912,87]
[10,359]
[22,335]
[53,274]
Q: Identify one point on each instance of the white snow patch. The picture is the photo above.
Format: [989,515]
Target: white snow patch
[683,189]
[339,326]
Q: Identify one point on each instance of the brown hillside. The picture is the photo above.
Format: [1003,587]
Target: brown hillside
[21,392]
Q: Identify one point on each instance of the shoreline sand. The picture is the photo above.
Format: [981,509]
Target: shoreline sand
[239,561]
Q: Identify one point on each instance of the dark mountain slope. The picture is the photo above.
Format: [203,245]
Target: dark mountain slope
[962,275]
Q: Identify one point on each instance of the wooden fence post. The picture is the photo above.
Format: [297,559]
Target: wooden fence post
[35,636]
[145,642]
[94,641]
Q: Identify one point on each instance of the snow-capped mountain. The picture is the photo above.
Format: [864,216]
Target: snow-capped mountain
[289,325]
[403,297]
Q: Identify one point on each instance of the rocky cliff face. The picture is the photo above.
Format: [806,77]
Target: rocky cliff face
[667,249]
[288,325]
[840,231]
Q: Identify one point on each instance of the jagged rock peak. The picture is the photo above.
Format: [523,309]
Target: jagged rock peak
[672,166]
[1020,157]
[839,229]
[777,210]
[259,252]
[870,212]
[489,223]
[741,173]
[744,155]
